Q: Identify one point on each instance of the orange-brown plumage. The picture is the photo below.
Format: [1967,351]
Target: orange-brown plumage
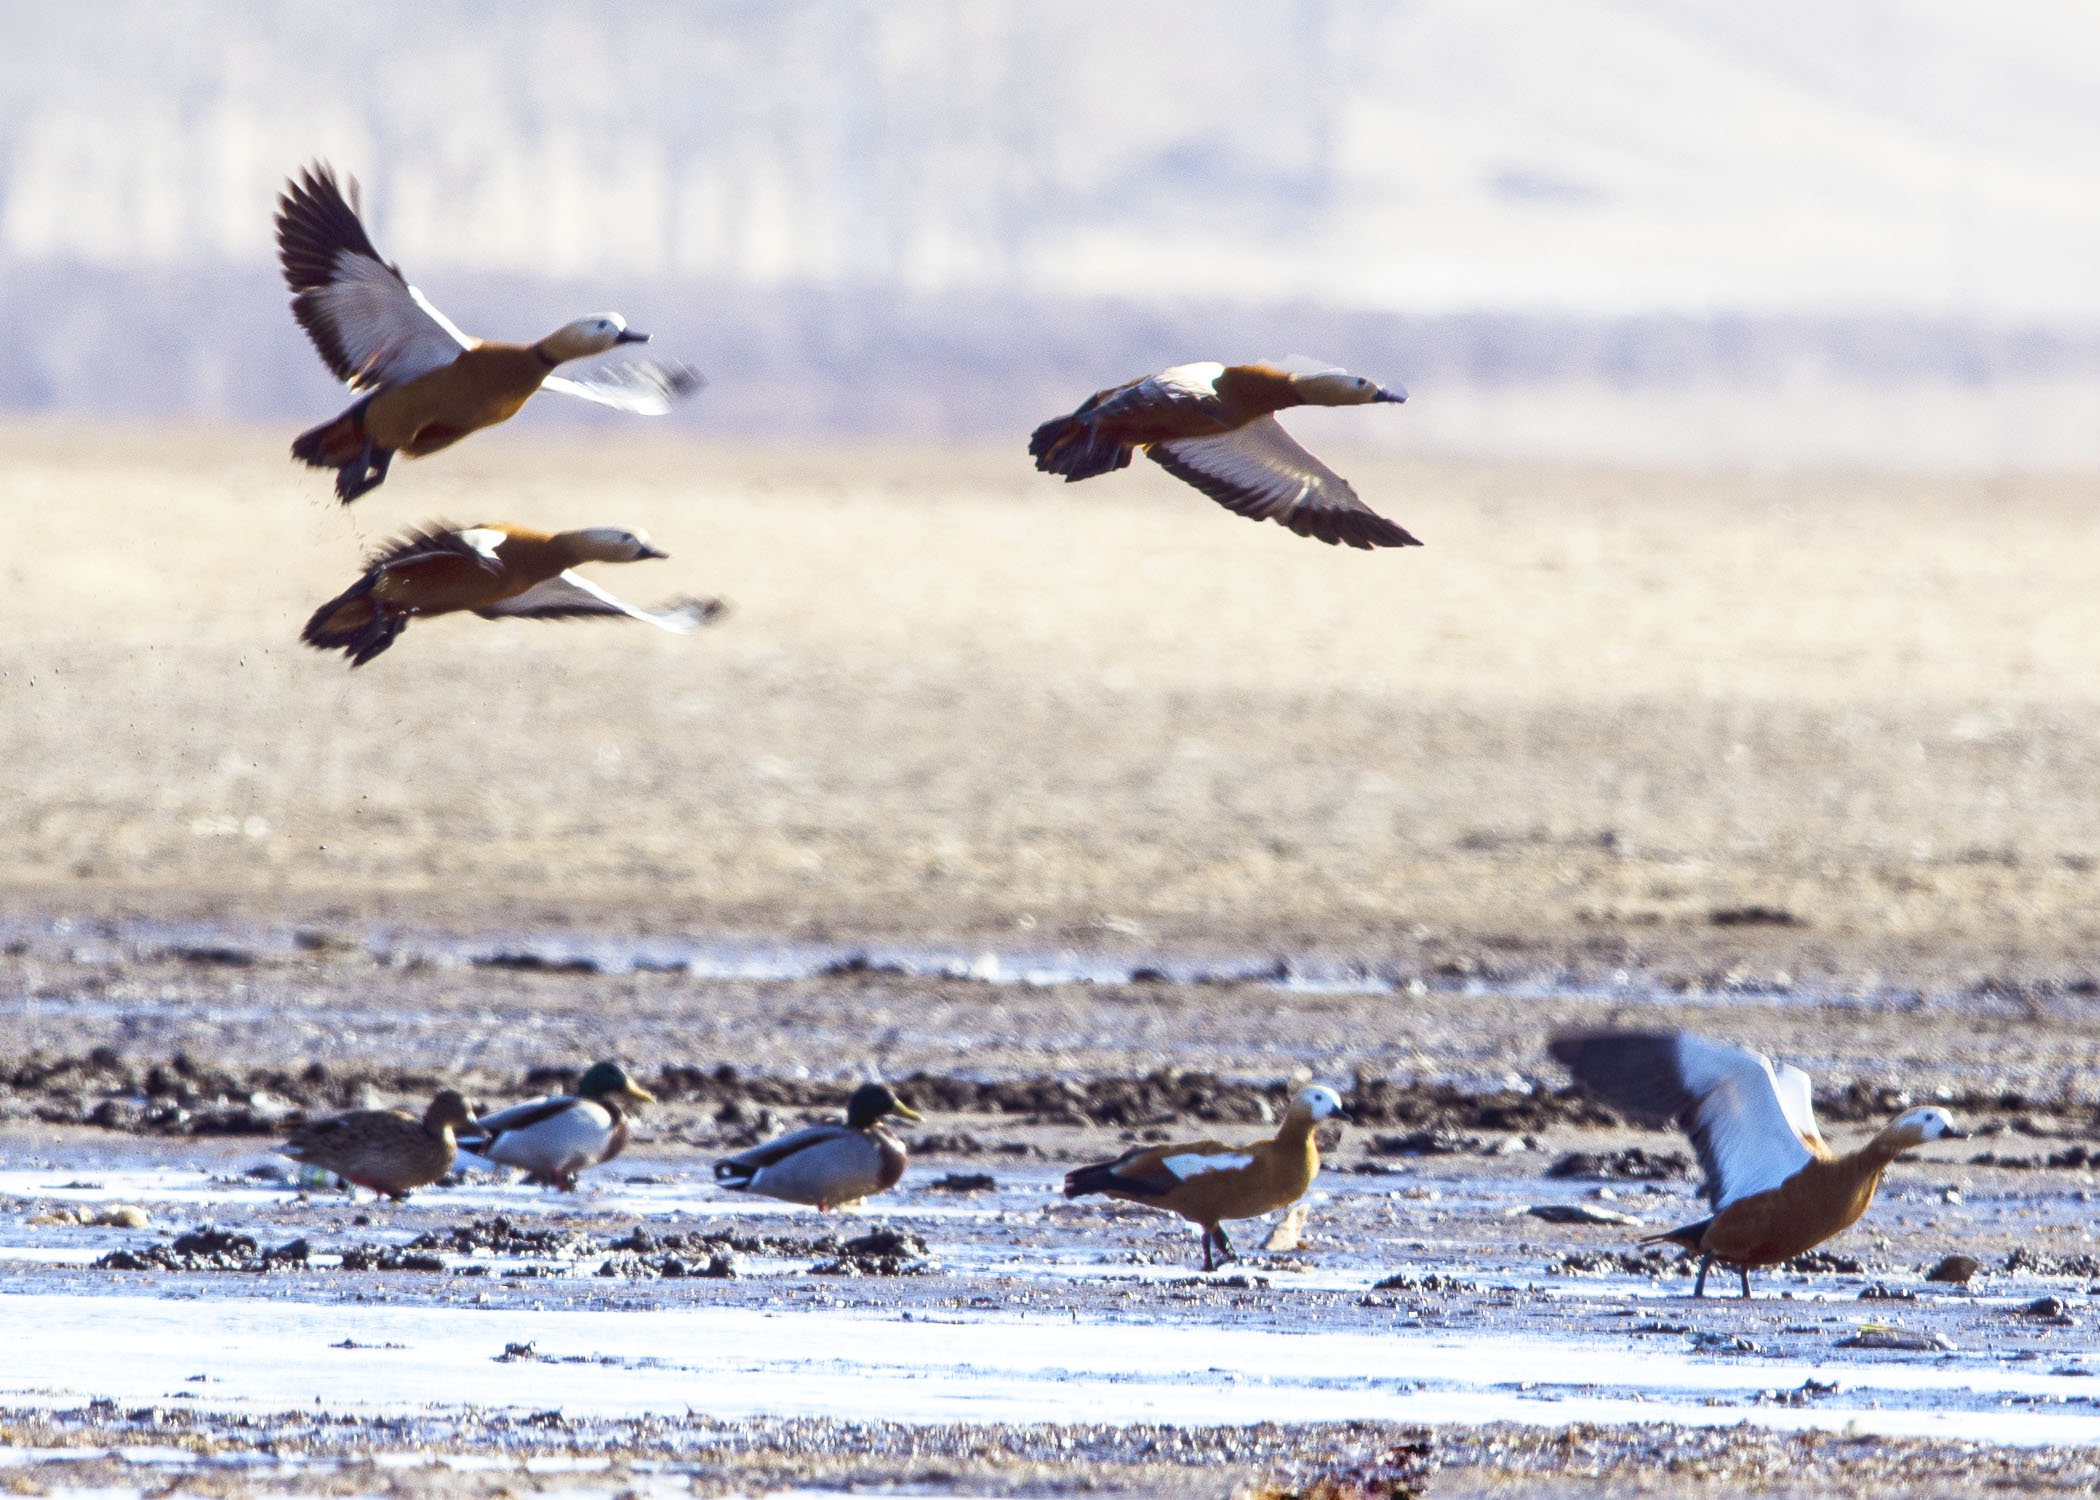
[493,570]
[1213,426]
[1208,1182]
[428,384]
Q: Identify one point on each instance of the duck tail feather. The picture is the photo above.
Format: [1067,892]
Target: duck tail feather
[343,445]
[1687,1235]
[353,623]
[1102,1177]
[1075,449]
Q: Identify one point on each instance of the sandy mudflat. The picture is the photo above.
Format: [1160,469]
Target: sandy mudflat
[1806,762]
[1599,715]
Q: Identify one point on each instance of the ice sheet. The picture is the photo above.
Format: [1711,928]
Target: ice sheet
[731,1362]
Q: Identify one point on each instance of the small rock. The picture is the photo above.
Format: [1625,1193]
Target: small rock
[1578,1213]
[1706,1341]
[1955,1270]
[1888,1336]
[963,1182]
[2051,1310]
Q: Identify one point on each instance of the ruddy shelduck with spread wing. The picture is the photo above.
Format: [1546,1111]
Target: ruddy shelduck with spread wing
[426,384]
[1776,1188]
[495,570]
[1208,1182]
[1215,426]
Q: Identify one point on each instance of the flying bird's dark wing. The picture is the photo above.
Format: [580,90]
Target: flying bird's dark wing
[371,328]
[1259,471]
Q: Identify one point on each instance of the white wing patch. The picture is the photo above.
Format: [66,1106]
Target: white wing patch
[1739,1119]
[465,341]
[1797,1097]
[1183,381]
[568,595]
[389,334]
[643,387]
[485,540]
[1195,1163]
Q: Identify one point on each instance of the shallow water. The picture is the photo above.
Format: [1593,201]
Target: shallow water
[237,944]
[1028,1318]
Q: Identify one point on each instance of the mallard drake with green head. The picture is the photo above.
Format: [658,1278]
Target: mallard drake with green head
[389,1151]
[555,1138]
[827,1165]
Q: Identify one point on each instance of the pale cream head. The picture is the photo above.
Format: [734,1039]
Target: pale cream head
[587,336]
[610,544]
[1340,388]
[1319,1103]
[1914,1127]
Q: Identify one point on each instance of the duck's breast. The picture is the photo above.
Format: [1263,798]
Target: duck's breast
[847,1166]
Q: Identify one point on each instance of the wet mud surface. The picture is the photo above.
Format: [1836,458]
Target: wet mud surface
[1467,1275]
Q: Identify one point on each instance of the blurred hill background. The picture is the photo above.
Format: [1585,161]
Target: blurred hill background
[1681,231]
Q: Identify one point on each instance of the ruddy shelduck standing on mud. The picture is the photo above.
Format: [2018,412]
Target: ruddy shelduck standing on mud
[495,570]
[1777,1189]
[1215,427]
[1208,1182]
[428,385]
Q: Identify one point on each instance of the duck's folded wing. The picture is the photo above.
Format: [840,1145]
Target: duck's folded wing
[1259,471]
[1725,1098]
[480,543]
[643,386]
[1186,1164]
[568,596]
[766,1155]
[487,1127]
[369,325]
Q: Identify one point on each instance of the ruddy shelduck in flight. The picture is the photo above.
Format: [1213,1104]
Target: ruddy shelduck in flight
[1215,427]
[496,571]
[1776,1188]
[1208,1182]
[426,385]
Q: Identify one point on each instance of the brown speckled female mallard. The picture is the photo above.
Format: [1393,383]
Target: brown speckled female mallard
[389,1151]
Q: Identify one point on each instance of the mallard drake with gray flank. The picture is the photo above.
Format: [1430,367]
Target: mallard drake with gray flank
[1208,1182]
[428,385]
[1776,1187]
[1214,427]
[555,1138]
[389,1151]
[497,571]
[827,1165]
